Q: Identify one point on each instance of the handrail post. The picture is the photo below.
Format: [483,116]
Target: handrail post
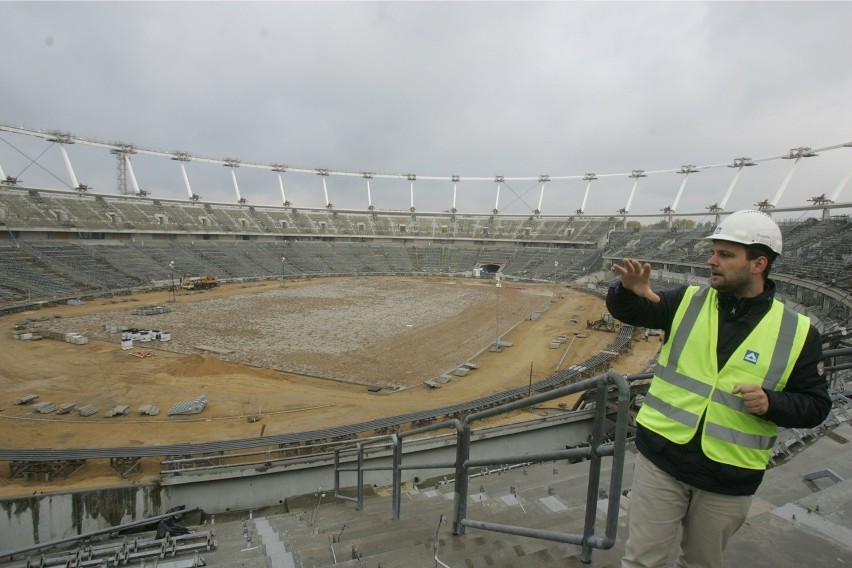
[593,488]
[336,472]
[359,505]
[396,496]
[597,450]
[461,482]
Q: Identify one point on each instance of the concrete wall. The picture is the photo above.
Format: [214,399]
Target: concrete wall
[45,517]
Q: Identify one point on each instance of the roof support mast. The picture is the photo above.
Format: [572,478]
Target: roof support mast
[636,175]
[279,169]
[499,180]
[181,158]
[68,166]
[455,186]
[669,211]
[543,179]
[589,177]
[62,140]
[133,182]
[685,170]
[368,176]
[738,163]
[795,154]
[412,178]
[234,163]
[836,195]
[324,174]
[826,213]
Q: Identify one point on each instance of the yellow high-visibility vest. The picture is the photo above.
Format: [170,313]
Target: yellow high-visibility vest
[687,385]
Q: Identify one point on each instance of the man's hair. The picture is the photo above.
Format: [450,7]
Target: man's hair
[756,251]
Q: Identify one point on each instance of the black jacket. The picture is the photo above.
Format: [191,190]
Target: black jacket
[804,402]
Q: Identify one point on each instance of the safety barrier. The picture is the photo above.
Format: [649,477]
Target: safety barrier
[594,452]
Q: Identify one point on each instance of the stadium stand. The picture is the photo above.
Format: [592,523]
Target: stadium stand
[59,245]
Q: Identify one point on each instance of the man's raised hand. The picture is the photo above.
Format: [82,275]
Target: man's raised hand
[636,277]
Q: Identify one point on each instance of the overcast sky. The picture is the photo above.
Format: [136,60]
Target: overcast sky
[436,89]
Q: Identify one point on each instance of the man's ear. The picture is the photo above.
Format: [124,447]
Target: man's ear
[760,264]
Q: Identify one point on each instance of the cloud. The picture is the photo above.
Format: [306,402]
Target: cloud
[438,89]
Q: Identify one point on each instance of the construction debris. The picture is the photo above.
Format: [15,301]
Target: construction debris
[150,310]
[605,323]
[149,409]
[212,349]
[144,354]
[191,407]
[145,335]
[45,407]
[119,410]
[87,410]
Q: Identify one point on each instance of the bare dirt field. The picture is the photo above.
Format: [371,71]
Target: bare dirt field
[297,358]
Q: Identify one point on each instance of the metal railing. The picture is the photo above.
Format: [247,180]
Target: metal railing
[594,452]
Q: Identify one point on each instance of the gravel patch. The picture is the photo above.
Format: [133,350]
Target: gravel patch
[323,329]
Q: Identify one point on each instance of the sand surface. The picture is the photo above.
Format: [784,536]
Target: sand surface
[276,359]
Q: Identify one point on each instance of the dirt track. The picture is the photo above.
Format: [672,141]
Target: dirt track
[392,332]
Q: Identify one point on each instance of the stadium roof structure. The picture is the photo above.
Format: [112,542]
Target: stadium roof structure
[651,207]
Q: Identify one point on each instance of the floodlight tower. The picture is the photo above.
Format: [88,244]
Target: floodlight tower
[323,173]
[368,176]
[589,177]
[499,181]
[280,169]
[233,164]
[795,154]
[542,179]
[125,169]
[181,158]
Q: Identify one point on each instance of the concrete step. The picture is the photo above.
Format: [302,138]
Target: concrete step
[232,547]
[278,554]
[548,496]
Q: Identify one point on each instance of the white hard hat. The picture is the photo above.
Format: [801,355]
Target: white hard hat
[749,227]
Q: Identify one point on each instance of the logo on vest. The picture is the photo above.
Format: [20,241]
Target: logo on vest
[751,356]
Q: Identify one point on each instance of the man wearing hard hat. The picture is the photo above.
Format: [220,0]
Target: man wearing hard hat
[736,364]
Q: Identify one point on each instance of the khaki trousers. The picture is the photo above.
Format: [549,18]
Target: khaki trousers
[660,504]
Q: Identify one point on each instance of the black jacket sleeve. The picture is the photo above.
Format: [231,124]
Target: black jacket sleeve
[629,308]
[804,402]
